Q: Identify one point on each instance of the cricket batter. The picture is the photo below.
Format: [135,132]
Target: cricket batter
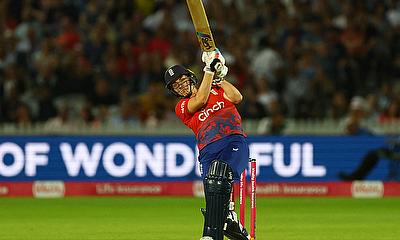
[209,110]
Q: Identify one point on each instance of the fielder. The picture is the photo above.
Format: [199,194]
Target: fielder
[209,110]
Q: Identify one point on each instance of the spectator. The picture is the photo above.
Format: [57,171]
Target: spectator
[101,94]
[153,103]
[23,117]
[61,120]
[47,109]
[267,62]
[355,121]
[101,116]
[273,125]
[69,37]
[251,108]
[86,118]
[315,55]
[265,95]
[338,106]
[391,113]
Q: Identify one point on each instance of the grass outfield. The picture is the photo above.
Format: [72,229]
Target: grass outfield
[165,218]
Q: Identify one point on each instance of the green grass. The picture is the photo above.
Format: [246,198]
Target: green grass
[179,218]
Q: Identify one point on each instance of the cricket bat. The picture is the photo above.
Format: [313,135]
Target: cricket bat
[201,25]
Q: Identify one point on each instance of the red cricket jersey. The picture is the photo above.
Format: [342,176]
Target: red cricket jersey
[216,119]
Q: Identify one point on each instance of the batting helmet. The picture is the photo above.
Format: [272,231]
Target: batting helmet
[174,73]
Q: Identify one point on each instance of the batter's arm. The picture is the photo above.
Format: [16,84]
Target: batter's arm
[201,97]
[231,93]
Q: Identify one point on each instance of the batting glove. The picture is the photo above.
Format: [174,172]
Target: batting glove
[220,70]
[214,56]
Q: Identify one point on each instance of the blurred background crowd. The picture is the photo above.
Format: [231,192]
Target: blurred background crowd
[99,63]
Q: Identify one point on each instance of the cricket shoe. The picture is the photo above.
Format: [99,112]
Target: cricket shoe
[233,229]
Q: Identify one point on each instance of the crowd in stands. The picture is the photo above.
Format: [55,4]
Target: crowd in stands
[101,63]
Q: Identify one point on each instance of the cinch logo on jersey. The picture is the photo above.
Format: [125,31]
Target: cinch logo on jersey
[206,112]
